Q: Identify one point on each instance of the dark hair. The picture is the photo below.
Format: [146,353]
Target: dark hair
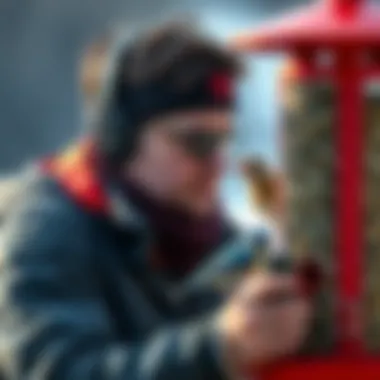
[177,54]
[155,73]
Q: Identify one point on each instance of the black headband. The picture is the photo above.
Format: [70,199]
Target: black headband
[146,102]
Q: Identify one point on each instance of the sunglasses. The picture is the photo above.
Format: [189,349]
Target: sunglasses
[200,144]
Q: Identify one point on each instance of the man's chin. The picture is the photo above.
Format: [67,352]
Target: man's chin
[202,203]
[203,207]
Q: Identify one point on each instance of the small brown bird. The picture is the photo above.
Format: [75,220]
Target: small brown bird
[267,190]
[266,187]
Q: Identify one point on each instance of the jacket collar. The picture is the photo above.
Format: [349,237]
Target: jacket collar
[77,172]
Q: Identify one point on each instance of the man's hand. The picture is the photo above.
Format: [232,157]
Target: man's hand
[266,319]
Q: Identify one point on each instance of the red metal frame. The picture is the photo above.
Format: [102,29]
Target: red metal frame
[349,207]
[349,29]
[334,368]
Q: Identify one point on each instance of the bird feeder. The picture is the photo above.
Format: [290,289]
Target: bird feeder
[331,110]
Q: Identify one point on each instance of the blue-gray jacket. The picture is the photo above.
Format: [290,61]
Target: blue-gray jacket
[79,301]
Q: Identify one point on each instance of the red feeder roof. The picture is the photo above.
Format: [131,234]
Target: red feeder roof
[329,23]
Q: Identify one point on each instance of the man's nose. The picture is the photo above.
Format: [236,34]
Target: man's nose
[215,161]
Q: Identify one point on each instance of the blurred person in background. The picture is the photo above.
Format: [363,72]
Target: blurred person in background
[103,232]
[92,72]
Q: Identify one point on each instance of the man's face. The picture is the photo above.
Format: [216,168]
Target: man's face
[181,157]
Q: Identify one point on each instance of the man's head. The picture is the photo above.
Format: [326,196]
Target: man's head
[167,115]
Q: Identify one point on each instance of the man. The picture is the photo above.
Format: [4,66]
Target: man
[91,249]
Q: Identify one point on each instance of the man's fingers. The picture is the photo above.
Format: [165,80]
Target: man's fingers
[262,285]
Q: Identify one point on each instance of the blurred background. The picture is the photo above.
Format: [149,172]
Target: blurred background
[52,58]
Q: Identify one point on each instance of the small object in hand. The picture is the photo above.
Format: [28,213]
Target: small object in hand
[309,272]
[311,276]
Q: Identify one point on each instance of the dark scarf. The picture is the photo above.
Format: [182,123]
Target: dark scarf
[181,240]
